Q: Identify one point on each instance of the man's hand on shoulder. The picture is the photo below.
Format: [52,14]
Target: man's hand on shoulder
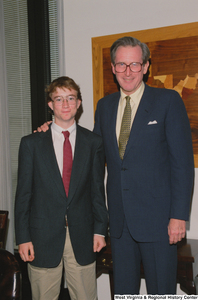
[43,127]
[176,230]
[26,251]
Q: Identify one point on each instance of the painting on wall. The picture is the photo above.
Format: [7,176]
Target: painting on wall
[174,65]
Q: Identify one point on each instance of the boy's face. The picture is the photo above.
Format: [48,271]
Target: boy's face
[64,105]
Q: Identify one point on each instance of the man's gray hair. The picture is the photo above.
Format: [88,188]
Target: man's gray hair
[129,41]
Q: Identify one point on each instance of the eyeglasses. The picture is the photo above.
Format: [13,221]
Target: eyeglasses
[59,100]
[122,67]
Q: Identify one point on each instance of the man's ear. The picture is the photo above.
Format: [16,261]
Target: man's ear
[78,103]
[146,67]
[113,68]
[50,104]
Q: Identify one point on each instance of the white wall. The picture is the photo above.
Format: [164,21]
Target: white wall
[84,19]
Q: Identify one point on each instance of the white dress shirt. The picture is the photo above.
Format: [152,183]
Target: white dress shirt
[134,101]
[58,141]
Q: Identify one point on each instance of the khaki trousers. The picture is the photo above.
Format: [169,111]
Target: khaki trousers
[81,280]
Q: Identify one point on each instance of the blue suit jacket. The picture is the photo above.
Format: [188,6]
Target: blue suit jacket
[154,181]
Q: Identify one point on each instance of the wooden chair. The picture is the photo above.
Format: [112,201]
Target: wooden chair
[3,227]
[10,276]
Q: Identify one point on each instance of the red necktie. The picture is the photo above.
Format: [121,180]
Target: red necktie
[67,161]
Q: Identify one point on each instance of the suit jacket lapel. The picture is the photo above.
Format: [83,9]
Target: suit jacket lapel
[111,129]
[141,118]
[80,157]
[49,157]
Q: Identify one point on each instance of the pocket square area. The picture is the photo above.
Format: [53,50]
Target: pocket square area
[152,122]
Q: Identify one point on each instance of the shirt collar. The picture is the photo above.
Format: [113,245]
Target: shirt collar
[59,129]
[136,96]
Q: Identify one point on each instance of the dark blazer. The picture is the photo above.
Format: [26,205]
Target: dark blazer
[154,181]
[41,203]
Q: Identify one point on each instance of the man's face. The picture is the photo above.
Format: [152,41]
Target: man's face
[64,112]
[129,81]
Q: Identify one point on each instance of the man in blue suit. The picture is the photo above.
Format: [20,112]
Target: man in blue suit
[149,187]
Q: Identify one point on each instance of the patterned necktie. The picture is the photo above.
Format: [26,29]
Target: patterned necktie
[67,161]
[125,128]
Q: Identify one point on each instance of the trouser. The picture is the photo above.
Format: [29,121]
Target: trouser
[81,280]
[159,262]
